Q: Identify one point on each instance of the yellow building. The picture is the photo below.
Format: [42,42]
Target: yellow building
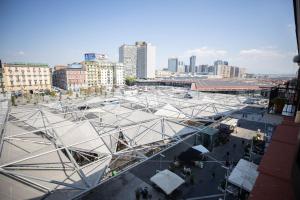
[22,77]
[104,73]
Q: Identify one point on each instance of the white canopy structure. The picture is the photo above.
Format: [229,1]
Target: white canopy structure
[201,148]
[167,181]
[244,175]
[170,111]
[67,147]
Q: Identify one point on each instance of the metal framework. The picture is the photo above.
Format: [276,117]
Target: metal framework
[74,145]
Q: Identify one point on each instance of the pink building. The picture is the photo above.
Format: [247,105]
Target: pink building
[71,77]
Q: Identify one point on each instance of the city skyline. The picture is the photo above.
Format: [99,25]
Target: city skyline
[62,33]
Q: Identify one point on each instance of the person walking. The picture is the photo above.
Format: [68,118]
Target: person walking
[213,174]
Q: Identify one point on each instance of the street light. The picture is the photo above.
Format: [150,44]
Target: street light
[226,180]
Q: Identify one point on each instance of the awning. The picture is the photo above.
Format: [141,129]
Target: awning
[167,181]
[200,148]
[244,175]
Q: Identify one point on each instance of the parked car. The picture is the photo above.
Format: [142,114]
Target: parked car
[187,96]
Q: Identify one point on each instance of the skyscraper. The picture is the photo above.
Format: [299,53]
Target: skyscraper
[173,64]
[127,56]
[180,67]
[145,60]
[192,64]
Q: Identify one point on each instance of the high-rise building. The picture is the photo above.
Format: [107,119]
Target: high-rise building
[127,56]
[242,72]
[180,67]
[26,77]
[223,70]
[186,68]
[211,70]
[145,60]
[237,72]
[220,62]
[173,64]
[71,77]
[203,69]
[192,64]
[232,71]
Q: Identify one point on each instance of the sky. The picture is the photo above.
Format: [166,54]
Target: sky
[258,34]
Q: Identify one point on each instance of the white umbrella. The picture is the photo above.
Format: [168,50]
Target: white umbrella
[167,181]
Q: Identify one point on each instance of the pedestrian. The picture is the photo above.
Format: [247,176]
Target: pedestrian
[145,193]
[213,174]
[234,146]
[227,163]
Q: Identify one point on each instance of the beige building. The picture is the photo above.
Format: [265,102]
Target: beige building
[223,70]
[163,73]
[26,77]
[104,73]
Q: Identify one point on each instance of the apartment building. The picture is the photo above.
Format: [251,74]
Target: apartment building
[146,57]
[71,77]
[104,73]
[128,56]
[24,77]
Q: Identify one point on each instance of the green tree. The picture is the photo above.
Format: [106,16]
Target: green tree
[52,94]
[70,92]
[129,80]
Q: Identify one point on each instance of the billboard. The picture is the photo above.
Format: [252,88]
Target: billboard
[94,56]
[90,57]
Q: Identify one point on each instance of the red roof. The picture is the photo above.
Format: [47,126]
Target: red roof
[274,181]
[278,160]
[270,188]
[286,134]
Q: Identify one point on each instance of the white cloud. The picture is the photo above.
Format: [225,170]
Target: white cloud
[266,60]
[21,53]
[266,53]
[205,55]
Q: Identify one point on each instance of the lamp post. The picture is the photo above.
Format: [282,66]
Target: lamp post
[226,181]
[1,78]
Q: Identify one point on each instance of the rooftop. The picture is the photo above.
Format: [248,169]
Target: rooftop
[23,64]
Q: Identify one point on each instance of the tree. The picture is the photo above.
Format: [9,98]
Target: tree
[278,104]
[52,94]
[129,80]
[70,92]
